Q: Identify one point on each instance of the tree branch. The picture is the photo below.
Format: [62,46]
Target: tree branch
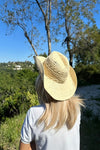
[46,16]
[49,11]
[41,8]
[26,35]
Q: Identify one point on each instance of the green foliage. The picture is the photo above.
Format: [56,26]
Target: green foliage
[33,99]
[88,74]
[17,91]
[10,132]
[88,47]
[77,16]
[90,134]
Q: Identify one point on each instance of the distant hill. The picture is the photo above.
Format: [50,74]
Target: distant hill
[17,65]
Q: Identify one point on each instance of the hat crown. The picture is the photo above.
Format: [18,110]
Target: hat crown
[56,67]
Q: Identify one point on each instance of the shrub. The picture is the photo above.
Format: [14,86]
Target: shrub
[17,92]
[10,132]
[88,74]
[18,103]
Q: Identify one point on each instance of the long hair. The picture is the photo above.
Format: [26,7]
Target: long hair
[57,113]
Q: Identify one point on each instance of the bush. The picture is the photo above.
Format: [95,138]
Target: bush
[10,132]
[88,74]
[17,92]
[17,103]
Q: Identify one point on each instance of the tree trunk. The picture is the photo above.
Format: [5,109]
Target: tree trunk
[68,39]
[28,38]
[49,39]
[70,53]
[47,20]
[71,58]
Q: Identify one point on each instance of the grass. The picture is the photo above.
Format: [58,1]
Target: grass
[90,137]
[11,128]
[10,132]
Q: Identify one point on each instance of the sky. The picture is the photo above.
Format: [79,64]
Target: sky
[15,47]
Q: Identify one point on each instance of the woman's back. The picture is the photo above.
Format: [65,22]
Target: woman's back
[63,139]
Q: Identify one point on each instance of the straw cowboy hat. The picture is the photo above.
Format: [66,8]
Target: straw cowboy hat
[58,76]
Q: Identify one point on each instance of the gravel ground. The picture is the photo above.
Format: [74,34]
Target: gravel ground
[91,94]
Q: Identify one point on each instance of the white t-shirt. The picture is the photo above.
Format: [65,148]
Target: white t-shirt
[63,139]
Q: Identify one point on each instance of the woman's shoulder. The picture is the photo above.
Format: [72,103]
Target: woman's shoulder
[36,111]
[37,108]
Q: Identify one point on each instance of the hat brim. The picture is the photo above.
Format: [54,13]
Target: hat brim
[59,91]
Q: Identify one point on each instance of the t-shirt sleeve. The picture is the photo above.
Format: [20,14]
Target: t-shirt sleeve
[27,131]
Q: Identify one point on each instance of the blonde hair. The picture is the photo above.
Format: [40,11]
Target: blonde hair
[57,113]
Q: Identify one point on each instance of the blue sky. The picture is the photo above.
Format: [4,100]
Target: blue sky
[15,47]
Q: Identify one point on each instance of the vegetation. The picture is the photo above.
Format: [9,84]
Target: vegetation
[17,65]
[17,91]
[10,132]
[88,47]
[75,16]
[88,74]
[90,135]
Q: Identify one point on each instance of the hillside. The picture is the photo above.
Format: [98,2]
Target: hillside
[17,89]
[16,65]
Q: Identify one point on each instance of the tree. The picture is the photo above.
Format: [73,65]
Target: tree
[68,17]
[75,16]
[88,47]
[47,20]
[26,14]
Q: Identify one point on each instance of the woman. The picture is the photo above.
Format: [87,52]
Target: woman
[53,125]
